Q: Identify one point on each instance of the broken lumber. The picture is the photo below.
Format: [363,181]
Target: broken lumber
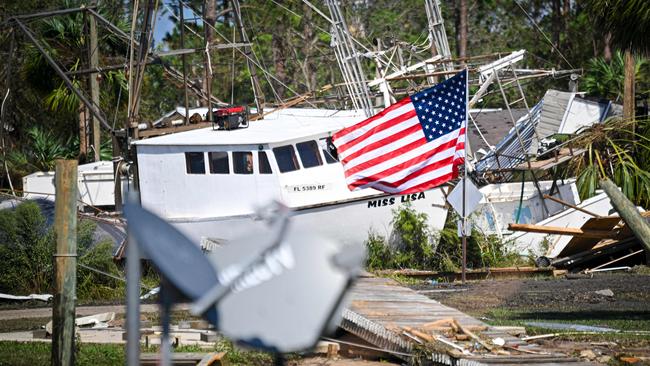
[628,212]
[472,335]
[586,233]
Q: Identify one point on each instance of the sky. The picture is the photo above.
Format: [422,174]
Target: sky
[165,25]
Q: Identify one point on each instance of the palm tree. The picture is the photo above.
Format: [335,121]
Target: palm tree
[65,39]
[606,79]
[628,21]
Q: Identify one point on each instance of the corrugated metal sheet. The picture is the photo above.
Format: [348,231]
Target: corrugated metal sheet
[555,107]
[509,153]
[545,120]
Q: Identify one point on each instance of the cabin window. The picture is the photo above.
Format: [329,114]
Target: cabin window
[242,162]
[329,150]
[194,163]
[219,162]
[309,154]
[263,163]
[286,158]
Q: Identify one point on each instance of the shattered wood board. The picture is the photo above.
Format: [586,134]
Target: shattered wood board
[580,244]
[380,307]
[563,156]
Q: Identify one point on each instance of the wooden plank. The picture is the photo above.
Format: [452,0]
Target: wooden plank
[581,244]
[393,310]
[214,359]
[587,233]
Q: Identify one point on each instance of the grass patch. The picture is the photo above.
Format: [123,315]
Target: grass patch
[39,353]
[627,322]
[405,280]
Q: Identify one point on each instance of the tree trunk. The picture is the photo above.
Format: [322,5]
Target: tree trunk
[310,39]
[628,90]
[607,50]
[557,22]
[279,56]
[462,29]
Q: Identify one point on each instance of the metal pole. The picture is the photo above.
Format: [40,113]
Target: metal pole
[65,263]
[464,223]
[53,13]
[132,299]
[183,59]
[165,319]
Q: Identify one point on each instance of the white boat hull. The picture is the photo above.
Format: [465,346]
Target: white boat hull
[346,222]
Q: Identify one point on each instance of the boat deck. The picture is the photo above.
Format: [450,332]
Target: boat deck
[381,309]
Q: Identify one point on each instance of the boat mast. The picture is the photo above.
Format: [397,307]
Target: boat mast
[348,60]
[257,90]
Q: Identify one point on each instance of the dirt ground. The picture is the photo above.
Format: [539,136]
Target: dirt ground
[563,300]
[572,297]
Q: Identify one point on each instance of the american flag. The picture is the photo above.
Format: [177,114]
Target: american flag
[413,145]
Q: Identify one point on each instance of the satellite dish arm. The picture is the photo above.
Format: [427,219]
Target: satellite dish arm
[220,290]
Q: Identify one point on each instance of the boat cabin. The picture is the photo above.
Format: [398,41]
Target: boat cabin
[208,173]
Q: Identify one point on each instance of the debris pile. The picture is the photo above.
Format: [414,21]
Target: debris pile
[449,336]
[600,244]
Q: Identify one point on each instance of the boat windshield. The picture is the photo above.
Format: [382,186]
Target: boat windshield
[286,158]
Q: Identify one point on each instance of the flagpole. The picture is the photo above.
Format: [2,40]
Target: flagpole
[464,222]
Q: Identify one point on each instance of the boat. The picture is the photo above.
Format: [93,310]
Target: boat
[208,182]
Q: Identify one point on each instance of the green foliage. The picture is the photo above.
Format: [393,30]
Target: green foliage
[605,79]
[412,239]
[413,246]
[627,20]
[379,254]
[26,249]
[617,149]
[410,245]
[95,286]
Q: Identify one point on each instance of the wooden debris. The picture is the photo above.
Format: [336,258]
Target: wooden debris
[214,359]
[587,233]
[472,335]
[512,330]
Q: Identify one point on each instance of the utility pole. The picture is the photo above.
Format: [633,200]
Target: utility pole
[93,56]
[65,263]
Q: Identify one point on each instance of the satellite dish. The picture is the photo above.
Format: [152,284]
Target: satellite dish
[277,291]
[178,259]
[285,302]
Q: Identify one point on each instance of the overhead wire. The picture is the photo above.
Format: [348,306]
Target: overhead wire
[242,52]
[543,34]
[261,61]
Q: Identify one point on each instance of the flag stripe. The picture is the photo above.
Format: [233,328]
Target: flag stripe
[413,145]
[399,157]
[384,130]
[434,182]
[381,117]
[390,143]
[398,176]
